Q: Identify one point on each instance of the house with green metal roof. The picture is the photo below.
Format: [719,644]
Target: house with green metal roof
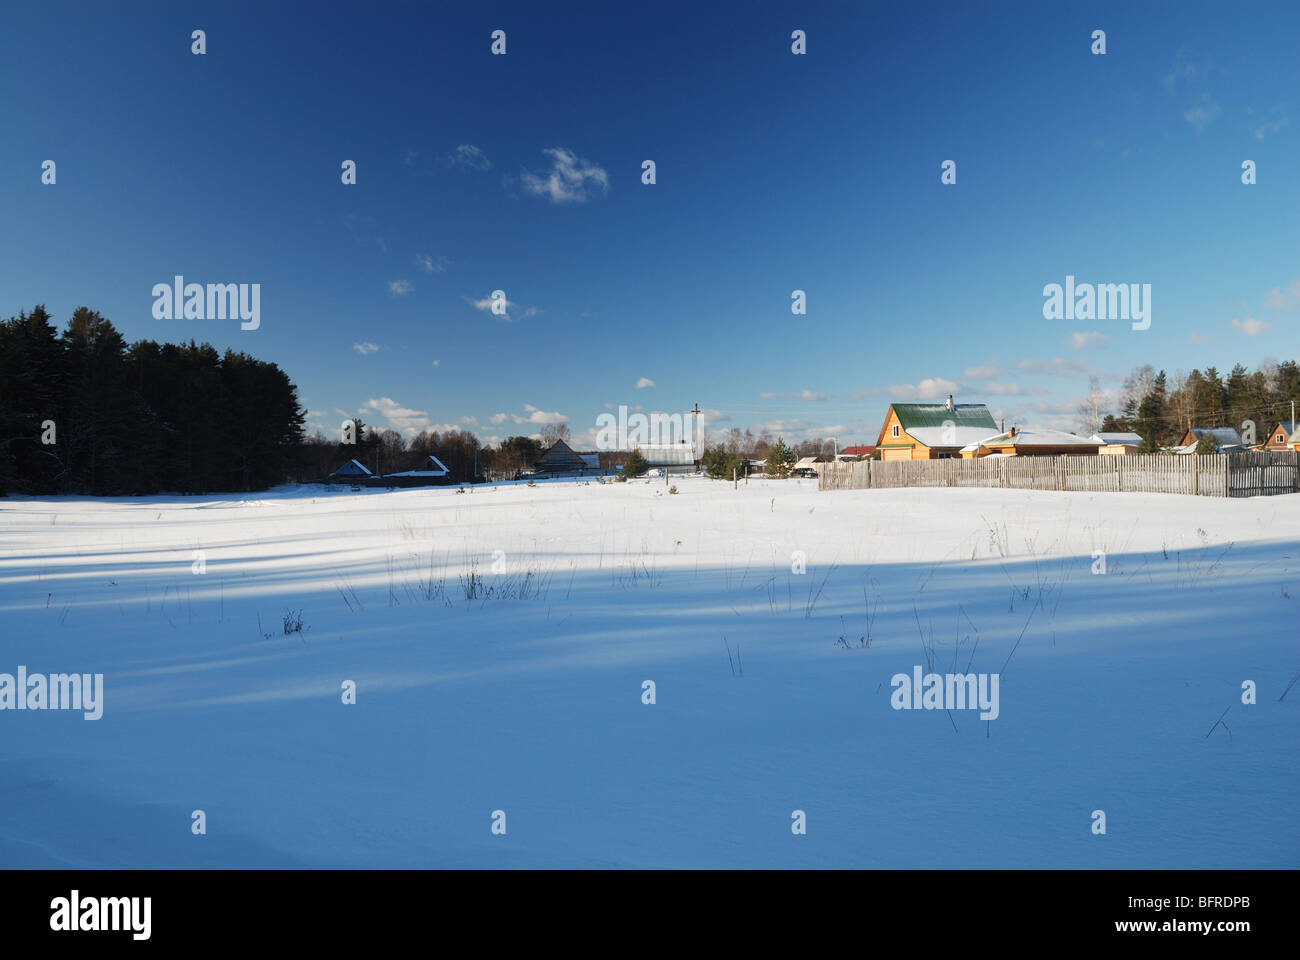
[933,431]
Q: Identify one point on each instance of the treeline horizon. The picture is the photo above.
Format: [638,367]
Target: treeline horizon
[1161,409]
[83,412]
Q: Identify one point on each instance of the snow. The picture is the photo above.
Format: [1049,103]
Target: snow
[528,699]
[949,436]
[1119,439]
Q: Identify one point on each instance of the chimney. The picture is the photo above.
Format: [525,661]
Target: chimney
[949,403]
[1013,431]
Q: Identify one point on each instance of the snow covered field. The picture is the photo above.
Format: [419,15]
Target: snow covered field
[499,640]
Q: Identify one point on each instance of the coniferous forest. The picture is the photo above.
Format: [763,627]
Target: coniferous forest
[83,412]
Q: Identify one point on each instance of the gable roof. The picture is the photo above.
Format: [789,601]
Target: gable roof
[862,450]
[1226,436]
[352,468]
[560,456]
[1035,437]
[1127,439]
[937,425]
[432,467]
[1289,427]
[913,415]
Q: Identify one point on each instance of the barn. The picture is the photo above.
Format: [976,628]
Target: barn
[351,472]
[561,458]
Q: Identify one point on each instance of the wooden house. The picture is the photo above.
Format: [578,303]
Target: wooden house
[852,453]
[560,458]
[1032,442]
[1281,436]
[1229,440]
[933,431]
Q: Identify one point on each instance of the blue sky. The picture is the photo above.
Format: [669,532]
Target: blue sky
[775,172]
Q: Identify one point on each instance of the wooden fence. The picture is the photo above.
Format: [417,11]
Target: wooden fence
[1208,475]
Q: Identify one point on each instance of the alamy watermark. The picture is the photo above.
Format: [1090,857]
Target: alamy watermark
[77,913]
[627,431]
[212,301]
[1103,301]
[58,691]
[950,691]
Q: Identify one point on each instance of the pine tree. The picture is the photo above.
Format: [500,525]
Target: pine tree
[779,460]
[635,464]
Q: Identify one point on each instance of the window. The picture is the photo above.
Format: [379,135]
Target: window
[894,432]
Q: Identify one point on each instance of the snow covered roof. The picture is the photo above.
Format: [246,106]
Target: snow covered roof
[1226,436]
[668,454]
[1034,437]
[352,468]
[949,436]
[432,467]
[1116,439]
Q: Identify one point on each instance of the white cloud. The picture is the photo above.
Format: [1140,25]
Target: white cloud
[1279,299]
[431,264]
[1082,339]
[395,416]
[1181,71]
[644,382]
[468,157]
[1272,123]
[1058,366]
[436,362]
[995,389]
[538,416]
[804,396]
[983,372]
[1250,327]
[1195,337]
[571,179]
[1202,115]
[364,348]
[399,288]
[499,417]
[485,304]
[931,388]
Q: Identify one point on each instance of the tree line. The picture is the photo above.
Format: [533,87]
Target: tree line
[1161,409]
[81,412]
